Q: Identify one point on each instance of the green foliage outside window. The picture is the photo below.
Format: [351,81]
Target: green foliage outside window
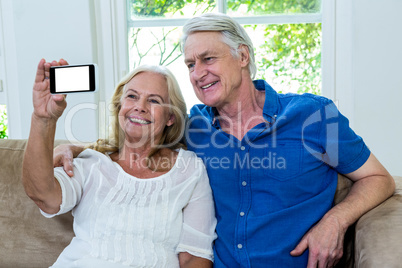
[289,56]
[159,8]
[265,7]
[3,123]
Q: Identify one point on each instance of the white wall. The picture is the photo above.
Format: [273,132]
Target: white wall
[50,29]
[377,78]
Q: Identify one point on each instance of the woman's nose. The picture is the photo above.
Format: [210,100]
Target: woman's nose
[141,106]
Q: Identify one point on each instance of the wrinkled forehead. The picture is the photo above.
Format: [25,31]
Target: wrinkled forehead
[203,36]
[150,80]
[200,43]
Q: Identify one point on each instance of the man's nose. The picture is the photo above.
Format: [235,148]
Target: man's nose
[200,71]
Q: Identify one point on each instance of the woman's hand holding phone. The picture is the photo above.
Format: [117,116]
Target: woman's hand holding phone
[46,105]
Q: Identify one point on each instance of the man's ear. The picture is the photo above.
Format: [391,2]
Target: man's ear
[171,120]
[244,55]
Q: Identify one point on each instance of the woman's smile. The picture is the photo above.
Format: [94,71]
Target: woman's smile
[140,121]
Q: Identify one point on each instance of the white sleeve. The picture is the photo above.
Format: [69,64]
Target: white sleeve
[71,188]
[199,220]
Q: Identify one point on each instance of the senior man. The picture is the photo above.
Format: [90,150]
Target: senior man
[272,159]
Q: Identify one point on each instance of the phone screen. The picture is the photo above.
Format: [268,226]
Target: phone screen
[72,78]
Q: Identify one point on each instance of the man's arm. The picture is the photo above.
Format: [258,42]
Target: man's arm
[187,260]
[63,156]
[372,185]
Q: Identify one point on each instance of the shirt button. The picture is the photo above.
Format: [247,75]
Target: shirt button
[242,148]
[244,183]
[242,213]
[239,246]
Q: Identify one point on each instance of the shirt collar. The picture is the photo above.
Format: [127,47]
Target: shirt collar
[214,121]
[209,113]
[270,109]
[271,105]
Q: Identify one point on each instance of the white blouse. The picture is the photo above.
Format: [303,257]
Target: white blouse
[121,220]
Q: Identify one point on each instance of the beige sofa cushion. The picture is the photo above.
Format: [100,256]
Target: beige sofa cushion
[379,234]
[27,238]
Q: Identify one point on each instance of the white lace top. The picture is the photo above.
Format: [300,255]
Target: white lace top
[121,220]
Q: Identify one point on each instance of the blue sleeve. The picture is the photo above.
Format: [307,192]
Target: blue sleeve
[344,150]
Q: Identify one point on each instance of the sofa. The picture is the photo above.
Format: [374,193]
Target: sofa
[30,240]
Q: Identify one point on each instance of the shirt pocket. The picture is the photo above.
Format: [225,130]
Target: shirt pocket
[283,161]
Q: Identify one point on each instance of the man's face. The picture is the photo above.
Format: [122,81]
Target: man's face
[214,73]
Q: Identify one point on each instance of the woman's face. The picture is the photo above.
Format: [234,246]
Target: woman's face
[145,109]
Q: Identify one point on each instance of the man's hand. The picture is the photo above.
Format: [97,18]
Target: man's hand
[325,243]
[372,185]
[63,157]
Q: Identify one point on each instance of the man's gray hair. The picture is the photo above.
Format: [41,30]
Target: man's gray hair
[233,34]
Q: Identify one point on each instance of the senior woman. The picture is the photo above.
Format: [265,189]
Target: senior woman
[144,201]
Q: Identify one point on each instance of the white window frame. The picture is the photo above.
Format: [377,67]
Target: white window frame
[337,55]
[8,73]
[112,54]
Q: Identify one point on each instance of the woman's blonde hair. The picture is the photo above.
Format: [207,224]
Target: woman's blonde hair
[172,136]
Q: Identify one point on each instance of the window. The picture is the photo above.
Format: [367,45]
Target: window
[3,122]
[10,110]
[286,37]
[3,110]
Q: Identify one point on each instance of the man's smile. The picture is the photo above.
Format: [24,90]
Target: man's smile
[209,85]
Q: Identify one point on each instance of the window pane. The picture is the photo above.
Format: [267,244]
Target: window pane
[269,7]
[161,46]
[3,122]
[288,56]
[154,45]
[145,9]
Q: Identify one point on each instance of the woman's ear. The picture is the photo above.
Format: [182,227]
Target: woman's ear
[171,120]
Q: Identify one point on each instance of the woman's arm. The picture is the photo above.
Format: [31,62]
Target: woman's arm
[37,173]
[198,232]
[187,260]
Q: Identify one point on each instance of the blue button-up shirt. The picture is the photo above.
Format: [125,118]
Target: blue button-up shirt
[272,186]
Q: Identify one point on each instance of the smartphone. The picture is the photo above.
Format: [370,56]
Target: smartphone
[73,78]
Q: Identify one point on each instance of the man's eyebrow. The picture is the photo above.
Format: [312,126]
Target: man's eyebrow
[201,55]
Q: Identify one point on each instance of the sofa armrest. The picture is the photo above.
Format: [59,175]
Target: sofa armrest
[379,233]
